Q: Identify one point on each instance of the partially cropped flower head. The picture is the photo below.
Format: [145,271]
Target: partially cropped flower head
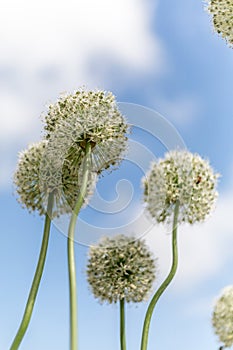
[120,268]
[184,177]
[87,116]
[222,12]
[35,179]
[222,317]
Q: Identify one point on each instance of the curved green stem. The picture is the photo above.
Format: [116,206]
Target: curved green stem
[166,282]
[122,324]
[71,253]
[37,278]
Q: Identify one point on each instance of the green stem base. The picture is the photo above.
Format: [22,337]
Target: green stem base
[37,278]
[71,251]
[164,285]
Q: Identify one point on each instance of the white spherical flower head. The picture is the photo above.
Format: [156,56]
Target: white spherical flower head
[120,268]
[87,116]
[222,317]
[184,177]
[222,12]
[34,185]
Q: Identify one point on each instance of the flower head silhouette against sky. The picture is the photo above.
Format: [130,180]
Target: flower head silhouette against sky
[184,177]
[222,317]
[35,178]
[167,60]
[87,116]
[222,12]
[121,268]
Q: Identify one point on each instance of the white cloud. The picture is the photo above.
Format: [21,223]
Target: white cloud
[17,117]
[19,126]
[204,249]
[53,47]
[69,35]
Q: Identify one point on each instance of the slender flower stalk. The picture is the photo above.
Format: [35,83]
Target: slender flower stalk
[166,282]
[181,186]
[37,278]
[122,324]
[38,182]
[71,252]
[85,131]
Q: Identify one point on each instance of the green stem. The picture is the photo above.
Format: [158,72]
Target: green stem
[71,253]
[37,278]
[122,324]
[166,282]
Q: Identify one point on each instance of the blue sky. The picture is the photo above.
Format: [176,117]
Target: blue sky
[159,54]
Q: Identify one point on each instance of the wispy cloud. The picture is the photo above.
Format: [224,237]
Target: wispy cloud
[16,117]
[67,37]
[52,48]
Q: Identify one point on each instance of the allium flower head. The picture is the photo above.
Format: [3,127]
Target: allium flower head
[119,268]
[35,179]
[87,116]
[222,11]
[222,317]
[184,177]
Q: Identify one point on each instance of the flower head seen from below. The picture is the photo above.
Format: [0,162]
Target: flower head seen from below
[35,179]
[222,317]
[87,116]
[222,12]
[184,177]
[121,268]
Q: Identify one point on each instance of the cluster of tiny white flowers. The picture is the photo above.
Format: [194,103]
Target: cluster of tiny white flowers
[222,11]
[184,177]
[88,116]
[121,268]
[56,164]
[222,317]
[35,179]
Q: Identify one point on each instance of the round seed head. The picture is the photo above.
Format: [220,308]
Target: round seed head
[222,17]
[87,116]
[119,268]
[36,177]
[184,177]
[222,317]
